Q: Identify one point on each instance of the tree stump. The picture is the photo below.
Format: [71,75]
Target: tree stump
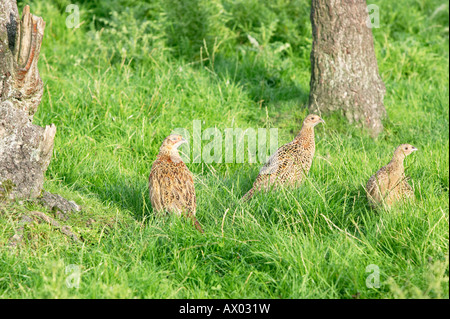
[344,70]
[25,148]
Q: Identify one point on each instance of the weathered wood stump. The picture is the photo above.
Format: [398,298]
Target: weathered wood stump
[25,148]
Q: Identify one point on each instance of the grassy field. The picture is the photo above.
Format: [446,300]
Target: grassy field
[116,87]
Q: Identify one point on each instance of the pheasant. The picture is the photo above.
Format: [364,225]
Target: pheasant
[291,162]
[171,184]
[389,185]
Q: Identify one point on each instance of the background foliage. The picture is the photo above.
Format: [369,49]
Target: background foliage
[135,70]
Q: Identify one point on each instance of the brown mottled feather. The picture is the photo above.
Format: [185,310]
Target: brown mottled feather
[290,163]
[171,186]
[389,184]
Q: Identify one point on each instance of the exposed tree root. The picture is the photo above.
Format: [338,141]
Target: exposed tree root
[64,229]
[58,204]
[17,238]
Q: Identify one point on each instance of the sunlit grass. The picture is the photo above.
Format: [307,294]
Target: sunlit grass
[116,87]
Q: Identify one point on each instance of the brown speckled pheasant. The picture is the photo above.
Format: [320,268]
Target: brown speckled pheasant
[171,184]
[389,185]
[291,162]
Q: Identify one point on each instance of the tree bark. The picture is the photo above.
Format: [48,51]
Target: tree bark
[344,70]
[25,148]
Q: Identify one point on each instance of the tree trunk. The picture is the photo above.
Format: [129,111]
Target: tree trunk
[25,148]
[344,70]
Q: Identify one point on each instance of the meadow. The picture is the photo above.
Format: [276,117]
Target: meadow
[131,71]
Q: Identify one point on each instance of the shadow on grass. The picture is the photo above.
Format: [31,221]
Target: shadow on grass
[129,194]
[263,84]
[357,209]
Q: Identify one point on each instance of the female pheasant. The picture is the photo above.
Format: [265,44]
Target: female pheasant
[171,184]
[291,162]
[388,185]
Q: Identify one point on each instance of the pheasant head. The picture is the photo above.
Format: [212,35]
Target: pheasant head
[312,120]
[403,150]
[170,146]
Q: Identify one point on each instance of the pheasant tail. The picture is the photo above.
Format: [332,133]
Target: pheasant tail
[248,195]
[197,224]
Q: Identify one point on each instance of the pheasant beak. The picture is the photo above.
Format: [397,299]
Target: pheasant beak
[321,120]
[181,141]
[414,149]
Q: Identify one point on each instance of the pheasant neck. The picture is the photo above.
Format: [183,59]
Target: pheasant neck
[396,164]
[305,136]
[170,155]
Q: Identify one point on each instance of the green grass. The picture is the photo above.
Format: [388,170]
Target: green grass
[133,71]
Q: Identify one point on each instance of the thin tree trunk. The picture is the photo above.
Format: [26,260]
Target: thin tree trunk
[344,70]
[25,148]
